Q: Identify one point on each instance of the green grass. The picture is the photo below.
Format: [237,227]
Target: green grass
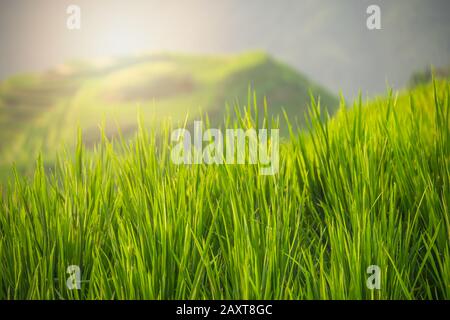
[368,187]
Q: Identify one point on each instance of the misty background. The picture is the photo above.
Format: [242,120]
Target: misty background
[326,40]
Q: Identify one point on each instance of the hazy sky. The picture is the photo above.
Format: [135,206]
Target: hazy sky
[326,39]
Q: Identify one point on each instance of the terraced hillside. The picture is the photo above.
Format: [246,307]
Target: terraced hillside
[41,112]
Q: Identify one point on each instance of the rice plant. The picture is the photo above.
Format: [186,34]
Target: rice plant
[369,186]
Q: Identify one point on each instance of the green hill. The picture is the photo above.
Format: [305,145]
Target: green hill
[40,112]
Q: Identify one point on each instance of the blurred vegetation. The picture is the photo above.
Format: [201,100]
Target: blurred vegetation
[426,76]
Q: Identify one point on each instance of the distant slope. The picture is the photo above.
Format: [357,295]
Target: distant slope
[40,112]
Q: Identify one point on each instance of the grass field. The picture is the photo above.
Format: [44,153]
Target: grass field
[370,186]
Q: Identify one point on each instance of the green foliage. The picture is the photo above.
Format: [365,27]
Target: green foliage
[368,187]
